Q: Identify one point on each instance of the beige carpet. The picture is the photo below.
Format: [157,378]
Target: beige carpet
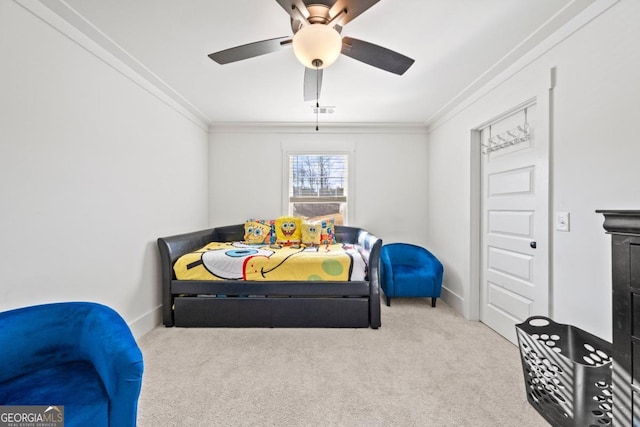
[424,367]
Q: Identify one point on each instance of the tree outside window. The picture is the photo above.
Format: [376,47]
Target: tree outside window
[318,186]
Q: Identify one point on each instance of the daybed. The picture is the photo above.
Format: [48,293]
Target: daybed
[282,303]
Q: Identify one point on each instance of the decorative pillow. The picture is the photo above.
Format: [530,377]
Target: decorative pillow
[327,234]
[311,232]
[288,230]
[257,232]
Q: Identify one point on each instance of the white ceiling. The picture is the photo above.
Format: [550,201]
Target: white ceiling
[457,45]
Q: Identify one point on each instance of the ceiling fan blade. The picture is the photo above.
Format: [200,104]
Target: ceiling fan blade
[354,8]
[312,83]
[295,8]
[376,56]
[250,50]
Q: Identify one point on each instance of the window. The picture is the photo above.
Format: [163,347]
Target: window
[318,186]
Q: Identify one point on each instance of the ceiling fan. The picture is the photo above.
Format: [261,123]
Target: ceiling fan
[317,42]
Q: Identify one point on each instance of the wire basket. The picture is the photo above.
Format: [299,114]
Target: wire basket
[567,373]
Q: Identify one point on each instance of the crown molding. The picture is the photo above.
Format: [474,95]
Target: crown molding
[324,128]
[66,20]
[520,57]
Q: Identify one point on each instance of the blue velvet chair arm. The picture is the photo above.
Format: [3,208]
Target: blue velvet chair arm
[437,266]
[48,335]
[110,346]
[386,273]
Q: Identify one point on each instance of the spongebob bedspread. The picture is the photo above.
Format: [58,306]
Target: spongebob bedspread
[241,261]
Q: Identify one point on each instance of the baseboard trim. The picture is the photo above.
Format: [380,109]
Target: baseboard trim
[454,301]
[146,323]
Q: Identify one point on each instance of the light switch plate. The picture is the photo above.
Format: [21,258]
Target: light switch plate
[562,221]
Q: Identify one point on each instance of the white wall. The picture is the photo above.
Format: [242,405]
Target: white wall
[389,169]
[93,169]
[594,156]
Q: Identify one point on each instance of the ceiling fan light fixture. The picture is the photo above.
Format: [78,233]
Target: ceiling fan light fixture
[317,45]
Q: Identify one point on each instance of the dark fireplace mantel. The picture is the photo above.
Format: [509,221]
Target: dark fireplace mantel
[624,227]
[621,221]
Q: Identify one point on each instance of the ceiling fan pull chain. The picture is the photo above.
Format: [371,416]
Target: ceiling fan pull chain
[317,95]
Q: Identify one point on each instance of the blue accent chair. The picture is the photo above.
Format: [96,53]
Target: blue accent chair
[77,355]
[408,270]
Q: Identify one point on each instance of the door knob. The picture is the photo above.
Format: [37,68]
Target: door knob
[533,245]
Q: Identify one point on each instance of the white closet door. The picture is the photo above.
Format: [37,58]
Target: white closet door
[515,240]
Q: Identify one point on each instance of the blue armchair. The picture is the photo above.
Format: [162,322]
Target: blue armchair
[409,271]
[76,355]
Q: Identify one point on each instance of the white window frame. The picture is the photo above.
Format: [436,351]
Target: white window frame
[350,154]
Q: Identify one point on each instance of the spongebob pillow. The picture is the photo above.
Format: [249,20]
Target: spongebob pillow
[327,233]
[311,232]
[288,230]
[256,232]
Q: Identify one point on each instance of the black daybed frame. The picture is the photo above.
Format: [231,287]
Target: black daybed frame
[232,303]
